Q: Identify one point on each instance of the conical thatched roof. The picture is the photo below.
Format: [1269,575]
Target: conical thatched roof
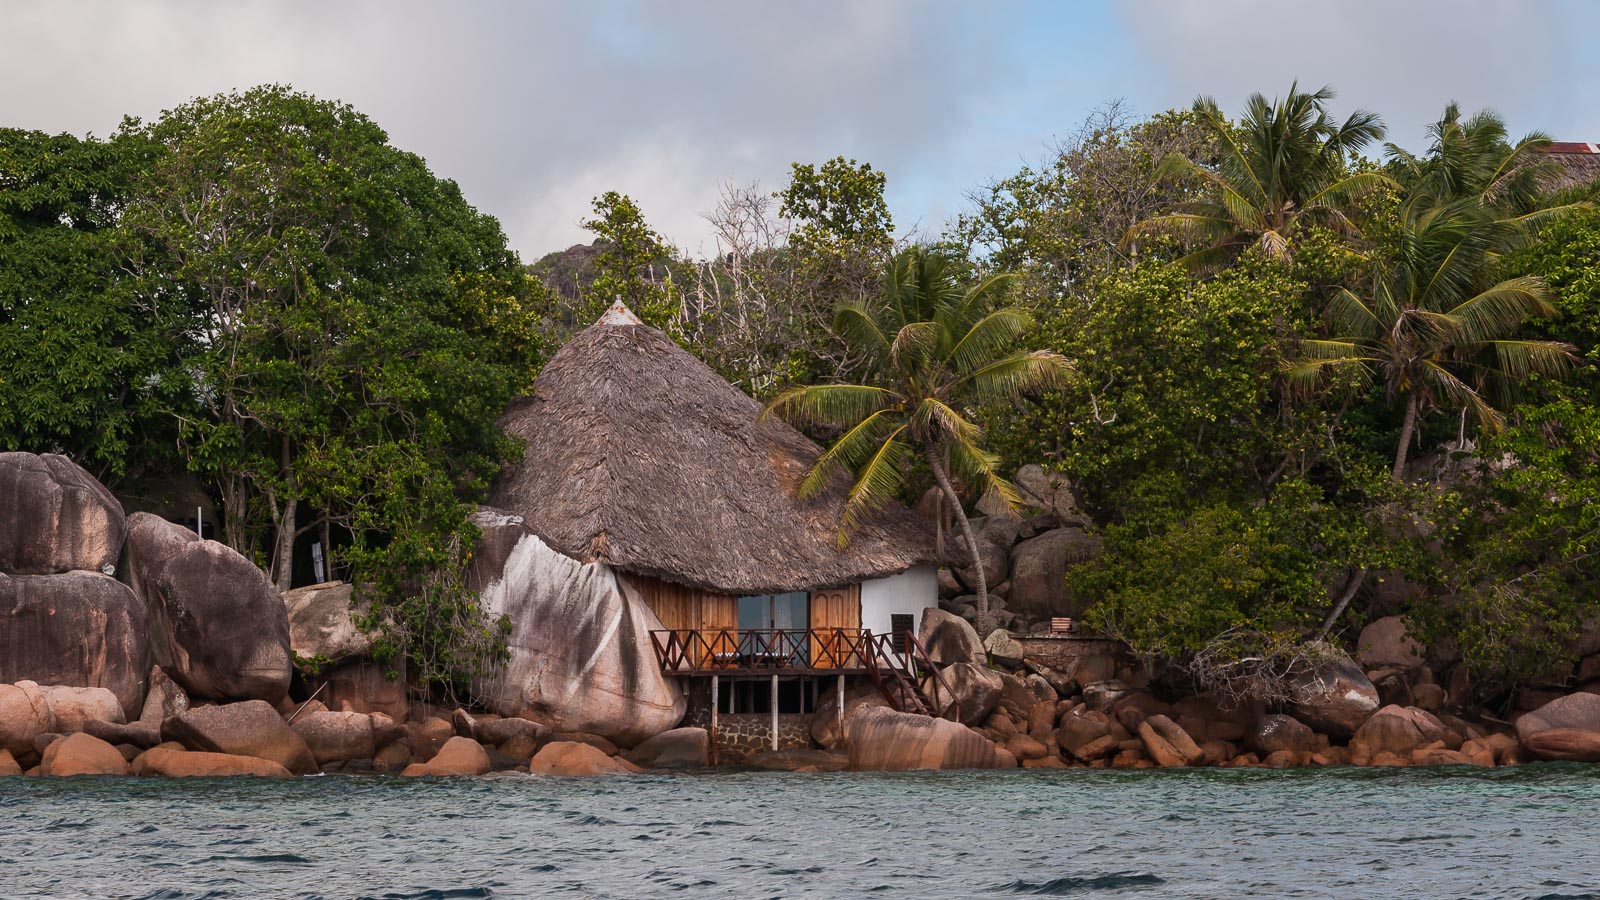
[640,456]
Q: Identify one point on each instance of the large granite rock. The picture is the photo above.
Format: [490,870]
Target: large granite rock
[1334,698]
[24,715]
[1400,730]
[251,728]
[571,758]
[55,517]
[82,754]
[948,638]
[169,762]
[458,756]
[581,657]
[336,736]
[1046,491]
[1385,644]
[73,707]
[882,740]
[976,689]
[827,728]
[991,555]
[81,628]
[361,685]
[676,749]
[1567,728]
[1279,733]
[321,623]
[217,625]
[1039,572]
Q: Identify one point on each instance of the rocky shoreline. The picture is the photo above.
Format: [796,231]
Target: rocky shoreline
[134,648]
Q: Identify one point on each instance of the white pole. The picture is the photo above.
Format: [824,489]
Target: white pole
[199,523]
[713,748]
[774,712]
[841,710]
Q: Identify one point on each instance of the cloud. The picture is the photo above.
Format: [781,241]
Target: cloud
[1404,59]
[535,108]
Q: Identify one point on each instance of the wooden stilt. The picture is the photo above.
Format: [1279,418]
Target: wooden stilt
[711,748]
[841,710]
[774,712]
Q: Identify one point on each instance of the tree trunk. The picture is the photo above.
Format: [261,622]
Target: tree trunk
[1349,594]
[949,492]
[283,556]
[1407,426]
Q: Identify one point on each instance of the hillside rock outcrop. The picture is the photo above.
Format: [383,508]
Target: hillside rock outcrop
[55,517]
[581,657]
[218,627]
[80,628]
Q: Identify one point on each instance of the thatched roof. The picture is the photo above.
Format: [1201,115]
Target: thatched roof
[640,456]
[1580,163]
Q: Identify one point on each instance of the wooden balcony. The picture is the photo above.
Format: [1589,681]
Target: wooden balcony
[807,651]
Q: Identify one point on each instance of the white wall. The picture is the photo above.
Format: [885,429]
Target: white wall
[908,593]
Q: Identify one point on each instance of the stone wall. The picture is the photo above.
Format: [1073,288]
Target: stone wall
[742,736]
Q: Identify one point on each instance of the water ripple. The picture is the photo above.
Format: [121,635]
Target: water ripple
[1514,833]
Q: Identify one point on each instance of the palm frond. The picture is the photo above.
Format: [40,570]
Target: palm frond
[878,481]
[988,337]
[839,405]
[1015,376]
[1519,359]
[853,449]
[935,419]
[1351,316]
[1500,309]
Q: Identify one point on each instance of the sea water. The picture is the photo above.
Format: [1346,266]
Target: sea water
[1530,832]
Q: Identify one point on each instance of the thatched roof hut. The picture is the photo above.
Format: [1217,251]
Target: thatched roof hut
[1579,163]
[642,457]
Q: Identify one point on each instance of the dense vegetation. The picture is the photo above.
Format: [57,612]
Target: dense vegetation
[1313,379]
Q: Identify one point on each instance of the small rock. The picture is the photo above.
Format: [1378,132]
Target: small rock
[1279,732]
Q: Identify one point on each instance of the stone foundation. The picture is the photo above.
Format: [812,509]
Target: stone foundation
[741,737]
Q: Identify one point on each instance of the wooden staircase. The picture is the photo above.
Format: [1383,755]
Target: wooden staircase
[900,683]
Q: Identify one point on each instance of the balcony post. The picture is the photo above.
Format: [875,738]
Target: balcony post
[712,749]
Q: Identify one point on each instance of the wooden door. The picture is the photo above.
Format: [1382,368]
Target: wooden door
[837,608]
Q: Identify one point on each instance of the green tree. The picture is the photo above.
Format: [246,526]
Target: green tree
[81,359]
[934,350]
[633,265]
[1473,159]
[354,329]
[1436,339]
[1282,166]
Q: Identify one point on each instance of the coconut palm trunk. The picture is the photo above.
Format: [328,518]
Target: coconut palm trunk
[950,495]
[1408,427]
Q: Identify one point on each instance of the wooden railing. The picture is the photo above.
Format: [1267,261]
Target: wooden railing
[688,650]
[897,664]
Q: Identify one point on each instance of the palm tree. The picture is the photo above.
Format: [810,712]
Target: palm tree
[930,349]
[1472,158]
[1284,164]
[1435,336]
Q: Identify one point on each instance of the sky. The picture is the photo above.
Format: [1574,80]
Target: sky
[534,108]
